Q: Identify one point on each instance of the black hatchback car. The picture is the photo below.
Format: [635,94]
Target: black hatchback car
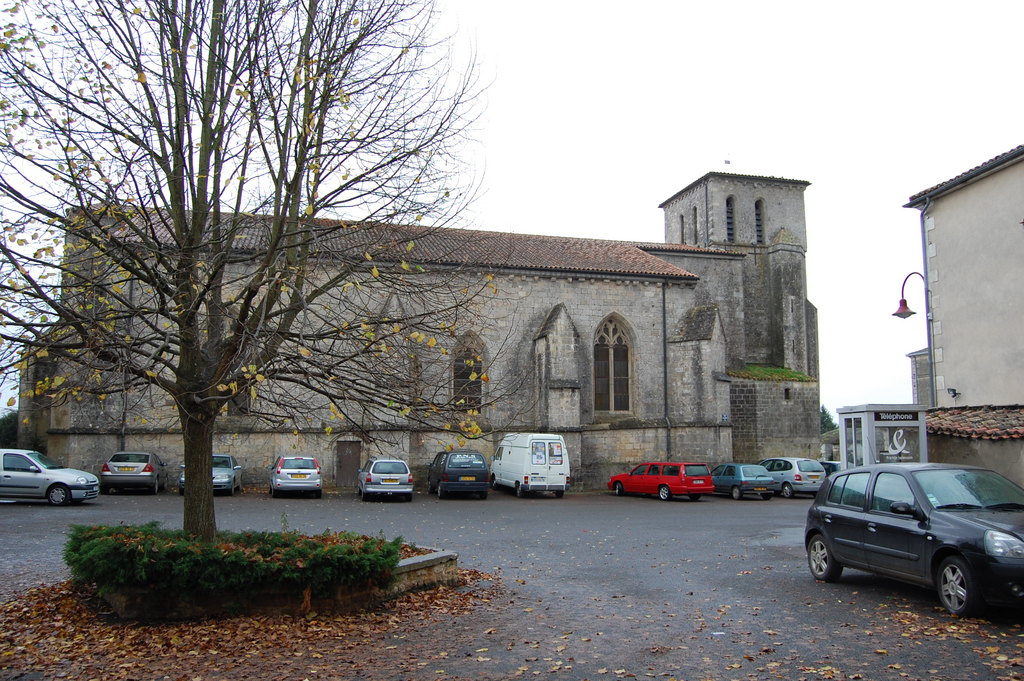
[958,529]
[460,470]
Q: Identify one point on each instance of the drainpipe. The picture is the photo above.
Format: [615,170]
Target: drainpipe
[928,303]
[664,370]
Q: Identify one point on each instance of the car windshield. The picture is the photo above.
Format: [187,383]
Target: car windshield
[222,462]
[466,460]
[966,489]
[45,461]
[697,469]
[299,463]
[391,467]
[130,457]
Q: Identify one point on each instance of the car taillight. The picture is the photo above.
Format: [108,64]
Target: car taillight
[409,480]
[797,478]
[279,471]
[106,468]
[317,464]
[369,478]
[526,479]
[568,480]
[148,468]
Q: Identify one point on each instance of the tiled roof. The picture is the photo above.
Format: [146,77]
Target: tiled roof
[984,423]
[974,172]
[460,247]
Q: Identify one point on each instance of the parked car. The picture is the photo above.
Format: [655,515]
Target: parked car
[664,478]
[389,477]
[295,474]
[227,475]
[739,479]
[26,474]
[458,471]
[133,470]
[830,466]
[957,529]
[796,475]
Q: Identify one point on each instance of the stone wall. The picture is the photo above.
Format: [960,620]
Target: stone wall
[773,418]
[1002,456]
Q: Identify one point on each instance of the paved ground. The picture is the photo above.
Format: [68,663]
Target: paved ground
[597,586]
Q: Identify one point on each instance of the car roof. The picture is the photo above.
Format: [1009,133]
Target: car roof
[915,466]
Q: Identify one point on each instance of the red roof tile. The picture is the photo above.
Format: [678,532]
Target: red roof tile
[974,172]
[984,423]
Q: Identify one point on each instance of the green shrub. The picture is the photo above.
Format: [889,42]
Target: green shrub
[170,559]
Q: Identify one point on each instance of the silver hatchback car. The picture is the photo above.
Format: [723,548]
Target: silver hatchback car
[133,470]
[295,474]
[390,477]
[796,475]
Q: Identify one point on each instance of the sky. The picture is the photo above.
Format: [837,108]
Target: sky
[596,112]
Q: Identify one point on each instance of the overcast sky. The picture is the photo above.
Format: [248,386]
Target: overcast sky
[598,111]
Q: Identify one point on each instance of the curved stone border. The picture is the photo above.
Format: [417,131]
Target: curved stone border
[434,569]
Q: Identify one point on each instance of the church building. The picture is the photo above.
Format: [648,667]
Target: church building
[701,348]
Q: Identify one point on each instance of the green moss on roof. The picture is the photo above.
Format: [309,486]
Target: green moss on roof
[759,373]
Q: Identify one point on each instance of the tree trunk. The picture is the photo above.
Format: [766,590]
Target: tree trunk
[199,519]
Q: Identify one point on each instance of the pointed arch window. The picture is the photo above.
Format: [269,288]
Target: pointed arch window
[611,368]
[468,374]
[759,221]
[696,237]
[730,219]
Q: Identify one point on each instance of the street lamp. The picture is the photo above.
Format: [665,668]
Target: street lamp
[904,311]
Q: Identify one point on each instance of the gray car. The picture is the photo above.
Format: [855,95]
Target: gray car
[133,470]
[796,475]
[25,474]
[295,474]
[386,477]
[227,475]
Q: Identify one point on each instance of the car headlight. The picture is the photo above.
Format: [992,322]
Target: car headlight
[223,477]
[1003,545]
[81,480]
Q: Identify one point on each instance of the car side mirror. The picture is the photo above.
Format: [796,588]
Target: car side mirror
[903,508]
[238,468]
[34,469]
[181,466]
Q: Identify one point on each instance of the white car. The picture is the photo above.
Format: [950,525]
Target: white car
[25,474]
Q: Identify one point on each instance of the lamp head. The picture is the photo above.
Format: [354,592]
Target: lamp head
[903,311]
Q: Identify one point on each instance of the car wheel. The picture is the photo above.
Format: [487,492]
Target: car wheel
[494,482]
[694,497]
[408,497]
[58,495]
[736,493]
[274,493]
[156,486]
[318,494]
[483,495]
[519,490]
[957,589]
[181,491]
[767,496]
[104,490]
[787,490]
[559,493]
[820,560]
[664,493]
[620,491]
[441,494]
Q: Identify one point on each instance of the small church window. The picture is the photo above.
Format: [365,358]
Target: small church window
[759,221]
[611,369]
[682,229]
[730,219]
[467,374]
[696,237]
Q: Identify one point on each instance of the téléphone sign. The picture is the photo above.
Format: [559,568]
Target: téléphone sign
[890,416]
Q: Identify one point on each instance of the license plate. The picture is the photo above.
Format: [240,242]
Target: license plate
[390,481]
[760,489]
[125,469]
[814,477]
[699,482]
[469,478]
[299,476]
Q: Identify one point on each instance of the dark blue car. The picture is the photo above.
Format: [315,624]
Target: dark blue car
[741,479]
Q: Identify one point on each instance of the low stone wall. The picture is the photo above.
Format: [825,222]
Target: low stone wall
[420,572]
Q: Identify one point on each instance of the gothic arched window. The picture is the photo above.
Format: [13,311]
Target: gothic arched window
[611,368]
[468,373]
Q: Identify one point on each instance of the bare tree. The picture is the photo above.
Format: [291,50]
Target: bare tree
[227,201]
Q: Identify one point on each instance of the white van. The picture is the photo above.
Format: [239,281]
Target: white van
[531,462]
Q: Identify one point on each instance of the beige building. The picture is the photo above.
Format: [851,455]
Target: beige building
[973,234]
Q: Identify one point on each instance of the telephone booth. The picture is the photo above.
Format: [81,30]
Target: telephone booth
[882,433]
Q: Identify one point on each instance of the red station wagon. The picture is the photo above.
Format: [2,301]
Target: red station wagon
[665,478]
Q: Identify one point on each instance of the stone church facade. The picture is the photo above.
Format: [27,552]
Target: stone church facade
[632,351]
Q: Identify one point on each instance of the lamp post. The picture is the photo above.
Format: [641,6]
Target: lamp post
[904,311]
